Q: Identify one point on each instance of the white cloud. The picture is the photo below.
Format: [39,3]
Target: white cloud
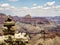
[50,3]
[1,9]
[37,7]
[5,5]
[34,4]
[13,0]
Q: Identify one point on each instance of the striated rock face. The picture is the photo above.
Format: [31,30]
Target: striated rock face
[28,16]
[34,20]
[2,18]
[48,41]
[26,19]
[56,19]
[35,38]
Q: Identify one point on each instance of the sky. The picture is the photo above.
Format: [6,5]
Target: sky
[32,7]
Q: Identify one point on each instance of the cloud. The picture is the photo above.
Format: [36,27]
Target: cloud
[13,0]
[34,4]
[44,10]
[50,3]
[5,5]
